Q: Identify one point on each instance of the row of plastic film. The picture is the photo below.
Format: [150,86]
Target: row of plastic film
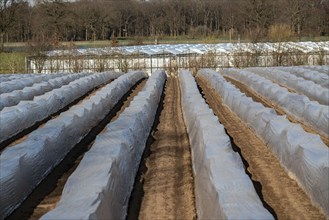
[222,188]
[24,165]
[101,185]
[300,106]
[312,90]
[14,119]
[303,154]
[27,93]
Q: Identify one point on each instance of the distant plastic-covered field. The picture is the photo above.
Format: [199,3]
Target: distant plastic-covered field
[188,56]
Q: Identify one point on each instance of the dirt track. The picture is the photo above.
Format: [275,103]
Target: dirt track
[167,184]
[280,192]
[280,111]
[45,199]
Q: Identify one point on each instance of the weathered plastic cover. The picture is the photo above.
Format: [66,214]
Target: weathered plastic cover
[19,83]
[222,188]
[101,185]
[303,155]
[27,93]
[19,117]
[24,165]
[306,87]
[310,112]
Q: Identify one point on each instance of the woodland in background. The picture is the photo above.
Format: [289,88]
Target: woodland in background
[91,20]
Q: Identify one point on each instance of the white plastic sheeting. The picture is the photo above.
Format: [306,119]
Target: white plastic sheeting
[310,112]
[14,97]
[20,83]
[310,89]
[313,75]
[17,118]
[101,185]
[222,188]
[304,155]
[322,69]
[179,49]
[24,165]
[9,77]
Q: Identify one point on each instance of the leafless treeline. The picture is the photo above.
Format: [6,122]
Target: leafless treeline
[101,19]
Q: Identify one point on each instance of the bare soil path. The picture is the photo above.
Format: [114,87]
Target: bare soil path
[167,181]
[280,111]
[279,191]
[49,192]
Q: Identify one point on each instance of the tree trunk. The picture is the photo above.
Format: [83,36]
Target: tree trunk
[2,34]
[126,29]
[94,36]
[86,34]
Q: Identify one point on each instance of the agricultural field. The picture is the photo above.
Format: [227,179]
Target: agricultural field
[235,143]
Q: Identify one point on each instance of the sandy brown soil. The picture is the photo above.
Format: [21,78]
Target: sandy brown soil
[280,111]
[46,199]
[168,184]
[279,191]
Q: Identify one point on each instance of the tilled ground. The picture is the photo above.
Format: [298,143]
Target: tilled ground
[280,111]
[279,191]
[167,183]
[48,194]
[165,177]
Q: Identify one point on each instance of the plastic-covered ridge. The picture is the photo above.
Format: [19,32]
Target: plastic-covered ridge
[23,166]
[20,83]
[222,188]
[310,89]
[322,69]
[315,76]
[310,112]
[101,185]
[303,155]
[11,76]
[16,118]
[27,93]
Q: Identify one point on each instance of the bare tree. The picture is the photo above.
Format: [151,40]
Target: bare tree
[8,10]
[259,15]
[101,19]
[37,49]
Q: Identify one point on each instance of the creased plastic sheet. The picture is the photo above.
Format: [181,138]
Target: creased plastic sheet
[101,185]
[315,76]
[304,155]
[310,112]
[19,117]
[20,83]
[23,166]
[14,97]
[222,188]
[310,89]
